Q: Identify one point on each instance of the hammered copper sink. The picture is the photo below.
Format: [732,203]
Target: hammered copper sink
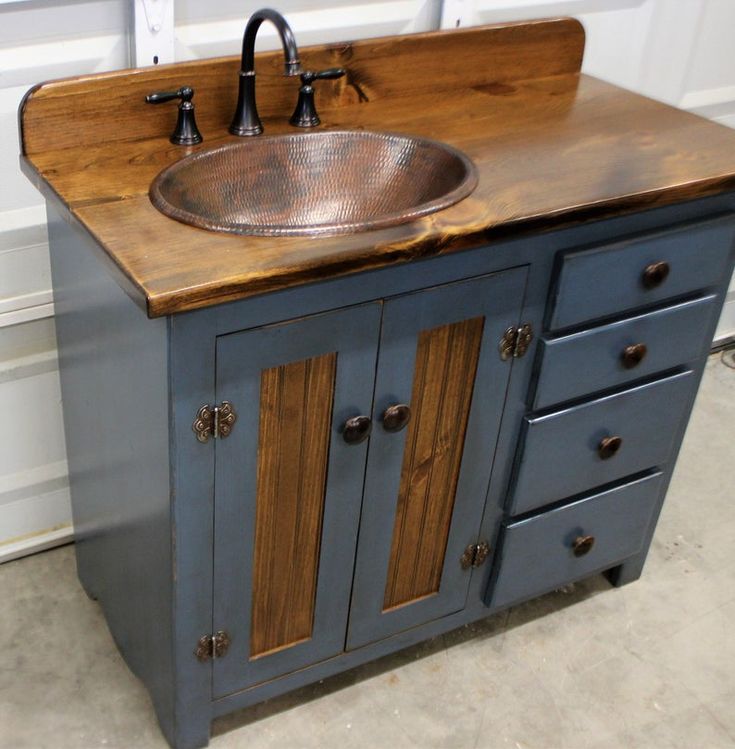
[328,182]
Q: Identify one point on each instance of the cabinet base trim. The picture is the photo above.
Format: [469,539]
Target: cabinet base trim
[353,658]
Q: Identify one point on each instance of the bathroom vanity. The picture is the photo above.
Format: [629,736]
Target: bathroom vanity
[292,455]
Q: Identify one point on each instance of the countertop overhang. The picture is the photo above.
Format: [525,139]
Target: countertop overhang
[553,148]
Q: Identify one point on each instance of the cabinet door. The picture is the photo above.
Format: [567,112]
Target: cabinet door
[288,490]
[426,484]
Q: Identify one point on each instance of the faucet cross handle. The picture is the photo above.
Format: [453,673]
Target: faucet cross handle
[305,114]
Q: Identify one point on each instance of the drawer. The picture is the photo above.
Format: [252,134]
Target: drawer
[606,280]
[543,552]
[561,455]
[608,356]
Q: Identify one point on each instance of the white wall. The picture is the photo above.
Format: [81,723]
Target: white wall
[38,41]
[675,50]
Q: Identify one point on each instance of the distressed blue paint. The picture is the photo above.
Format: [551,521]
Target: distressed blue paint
[145,506]
[536,553]
[558,452]
[191,354]
[114,384]
[497,299]
[241,357]
[606,280]
[591,360]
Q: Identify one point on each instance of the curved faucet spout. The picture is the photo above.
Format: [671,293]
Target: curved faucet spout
[246,120]
[288,40]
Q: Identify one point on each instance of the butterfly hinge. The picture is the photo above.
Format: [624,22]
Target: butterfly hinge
[214,421]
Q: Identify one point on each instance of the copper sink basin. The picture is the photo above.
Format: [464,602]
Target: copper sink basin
[327,182]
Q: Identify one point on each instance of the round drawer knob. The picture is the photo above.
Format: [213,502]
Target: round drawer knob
[609,446]
[655,274]
[633,355]
[396,417]
[582,545]
[357,429]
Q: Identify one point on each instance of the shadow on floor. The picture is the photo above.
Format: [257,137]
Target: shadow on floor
[482,629]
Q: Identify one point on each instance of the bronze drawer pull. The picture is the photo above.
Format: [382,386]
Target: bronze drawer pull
[655,274]
[609,446]
[357,429]
[582,545]
[396,417]
[633,355]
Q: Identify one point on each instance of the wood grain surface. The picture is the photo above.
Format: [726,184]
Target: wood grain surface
[110,107]
[293,448]
[444,378]
[553,148]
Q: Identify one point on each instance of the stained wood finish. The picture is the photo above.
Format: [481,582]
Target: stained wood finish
[295,414]
[110,107]
[446,363]
[552,147]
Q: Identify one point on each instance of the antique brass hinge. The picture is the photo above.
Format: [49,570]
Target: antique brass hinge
[515,342]
[214,421]
[474,555]
[212,646]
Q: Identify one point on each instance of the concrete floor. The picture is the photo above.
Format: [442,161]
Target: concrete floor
[651,665]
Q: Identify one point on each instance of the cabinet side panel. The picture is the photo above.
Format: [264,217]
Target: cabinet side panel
[446,362]
[113,366]
[293,447]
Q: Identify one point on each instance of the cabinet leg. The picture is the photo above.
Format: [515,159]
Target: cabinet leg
[190,731]
[85,573]
[627,572]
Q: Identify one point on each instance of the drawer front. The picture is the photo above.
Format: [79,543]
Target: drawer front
[562,453]
[609,356]
[546,551]
[606,280]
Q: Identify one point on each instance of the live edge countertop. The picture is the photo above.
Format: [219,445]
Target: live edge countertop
[553,147]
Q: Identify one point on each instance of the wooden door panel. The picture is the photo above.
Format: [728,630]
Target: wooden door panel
[293,446]
[288,490]
[431,458]
[425,486]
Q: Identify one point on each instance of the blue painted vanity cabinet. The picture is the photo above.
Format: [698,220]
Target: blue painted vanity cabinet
[412,449]
[289,501]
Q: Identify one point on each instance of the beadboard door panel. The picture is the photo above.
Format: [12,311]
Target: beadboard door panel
[438,356]
[287,505]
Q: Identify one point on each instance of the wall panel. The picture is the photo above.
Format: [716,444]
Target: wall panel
[212,29]
[39,40]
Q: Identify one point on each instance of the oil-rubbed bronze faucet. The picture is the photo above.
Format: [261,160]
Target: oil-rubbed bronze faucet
[246,120]
[186,132]
[305,113]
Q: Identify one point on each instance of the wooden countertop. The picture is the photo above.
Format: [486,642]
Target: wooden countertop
[553,148]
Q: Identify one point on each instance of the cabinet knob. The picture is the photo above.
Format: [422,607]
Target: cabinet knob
[357,429]
[633,355]
[582,545]
[396,417]
[655,274]
[609,446]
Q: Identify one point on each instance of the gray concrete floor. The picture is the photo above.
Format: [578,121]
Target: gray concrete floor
[651,665]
